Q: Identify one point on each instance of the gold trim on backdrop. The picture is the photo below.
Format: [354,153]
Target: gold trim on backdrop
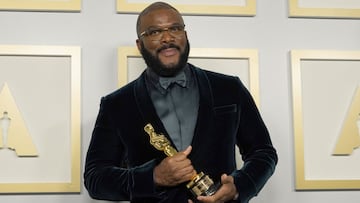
[251,55]
[298,81]
[74,54]
[296,11]
[41,5]
[123,6]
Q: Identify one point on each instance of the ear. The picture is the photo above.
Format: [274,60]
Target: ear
[138,44]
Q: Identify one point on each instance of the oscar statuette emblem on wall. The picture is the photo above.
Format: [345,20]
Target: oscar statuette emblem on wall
[201,184]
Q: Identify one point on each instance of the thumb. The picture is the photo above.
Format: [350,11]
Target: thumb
[187,151]
[226,179]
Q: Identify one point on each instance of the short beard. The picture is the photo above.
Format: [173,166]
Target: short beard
[161,69]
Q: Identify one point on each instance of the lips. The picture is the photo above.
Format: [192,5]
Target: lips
[169,52]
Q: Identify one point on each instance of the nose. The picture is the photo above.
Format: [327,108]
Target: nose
[166,36]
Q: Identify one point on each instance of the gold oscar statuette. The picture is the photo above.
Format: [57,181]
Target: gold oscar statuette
[200,184]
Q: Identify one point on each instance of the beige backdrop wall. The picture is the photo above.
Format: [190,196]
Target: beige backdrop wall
[99,31]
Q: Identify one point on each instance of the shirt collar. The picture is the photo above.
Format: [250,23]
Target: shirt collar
[179,79]
[162,83]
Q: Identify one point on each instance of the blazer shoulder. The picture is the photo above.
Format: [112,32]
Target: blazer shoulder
[212,74]
[123,95]
[216,78]
[126,89]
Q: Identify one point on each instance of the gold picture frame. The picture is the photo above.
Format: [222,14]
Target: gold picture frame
[295,10]
[248,9]
[45,83]
[323,87]
[246,58]
[41,5]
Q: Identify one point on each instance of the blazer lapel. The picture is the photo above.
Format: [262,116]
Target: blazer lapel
[205,113]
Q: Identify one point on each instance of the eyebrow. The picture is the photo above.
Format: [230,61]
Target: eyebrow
[174,24]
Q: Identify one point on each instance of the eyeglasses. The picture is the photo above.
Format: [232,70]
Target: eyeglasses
[156,34]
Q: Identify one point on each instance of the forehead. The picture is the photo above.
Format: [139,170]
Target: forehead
[160,17]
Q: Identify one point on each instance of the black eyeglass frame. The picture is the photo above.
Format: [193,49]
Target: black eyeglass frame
[172,30]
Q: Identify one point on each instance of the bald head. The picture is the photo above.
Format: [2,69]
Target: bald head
[153,7]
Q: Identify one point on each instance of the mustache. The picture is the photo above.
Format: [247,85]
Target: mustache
[167,47]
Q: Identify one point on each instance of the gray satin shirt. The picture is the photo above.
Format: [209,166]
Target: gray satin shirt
[176,106]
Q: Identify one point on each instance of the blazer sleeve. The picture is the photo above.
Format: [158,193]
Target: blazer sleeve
[258,154]
[106,176]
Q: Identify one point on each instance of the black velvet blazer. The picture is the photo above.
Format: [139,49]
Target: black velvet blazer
[120,160]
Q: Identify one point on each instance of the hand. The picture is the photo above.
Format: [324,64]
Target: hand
[175,169]
[226,192]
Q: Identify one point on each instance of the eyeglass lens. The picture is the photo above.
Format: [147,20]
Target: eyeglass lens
[156,34]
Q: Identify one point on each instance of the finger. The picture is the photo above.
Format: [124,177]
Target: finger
[187,173]
[206,199]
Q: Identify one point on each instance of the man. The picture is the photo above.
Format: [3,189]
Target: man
[203,114]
